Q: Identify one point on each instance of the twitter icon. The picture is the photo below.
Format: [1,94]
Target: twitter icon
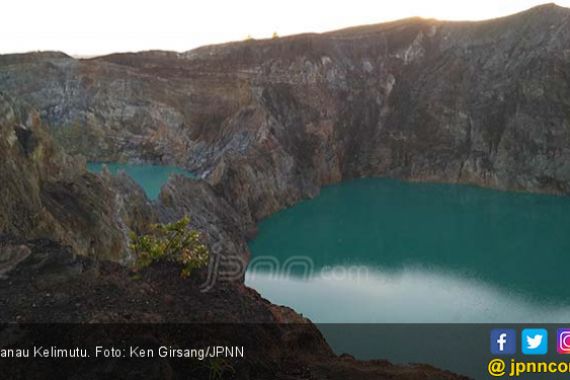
[534,341]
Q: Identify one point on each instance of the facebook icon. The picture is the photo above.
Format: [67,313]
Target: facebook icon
[503,342]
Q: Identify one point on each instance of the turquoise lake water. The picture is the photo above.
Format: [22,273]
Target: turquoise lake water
[150,177]
[379,250]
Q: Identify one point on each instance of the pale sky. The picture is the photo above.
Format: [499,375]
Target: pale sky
[104,26]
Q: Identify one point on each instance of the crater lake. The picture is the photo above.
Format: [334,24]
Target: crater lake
[385,251]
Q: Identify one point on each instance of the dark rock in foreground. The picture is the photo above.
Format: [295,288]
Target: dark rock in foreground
[94,303]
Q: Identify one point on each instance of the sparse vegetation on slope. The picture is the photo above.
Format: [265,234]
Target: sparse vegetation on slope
[174,242]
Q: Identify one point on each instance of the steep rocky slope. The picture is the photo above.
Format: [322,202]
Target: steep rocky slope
[268,122]
[45,193]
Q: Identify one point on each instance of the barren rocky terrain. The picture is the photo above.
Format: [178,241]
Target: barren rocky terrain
[264,124]
[268,122]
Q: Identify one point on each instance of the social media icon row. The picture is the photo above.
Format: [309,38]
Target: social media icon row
[533,341]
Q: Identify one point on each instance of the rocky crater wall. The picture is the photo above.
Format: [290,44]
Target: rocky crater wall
[267,123]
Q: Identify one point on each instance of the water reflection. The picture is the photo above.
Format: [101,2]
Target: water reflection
[413,295]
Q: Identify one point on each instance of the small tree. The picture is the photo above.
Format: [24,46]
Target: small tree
[173,242]
[275,35]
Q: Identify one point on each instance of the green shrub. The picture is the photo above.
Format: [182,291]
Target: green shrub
[173,242]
